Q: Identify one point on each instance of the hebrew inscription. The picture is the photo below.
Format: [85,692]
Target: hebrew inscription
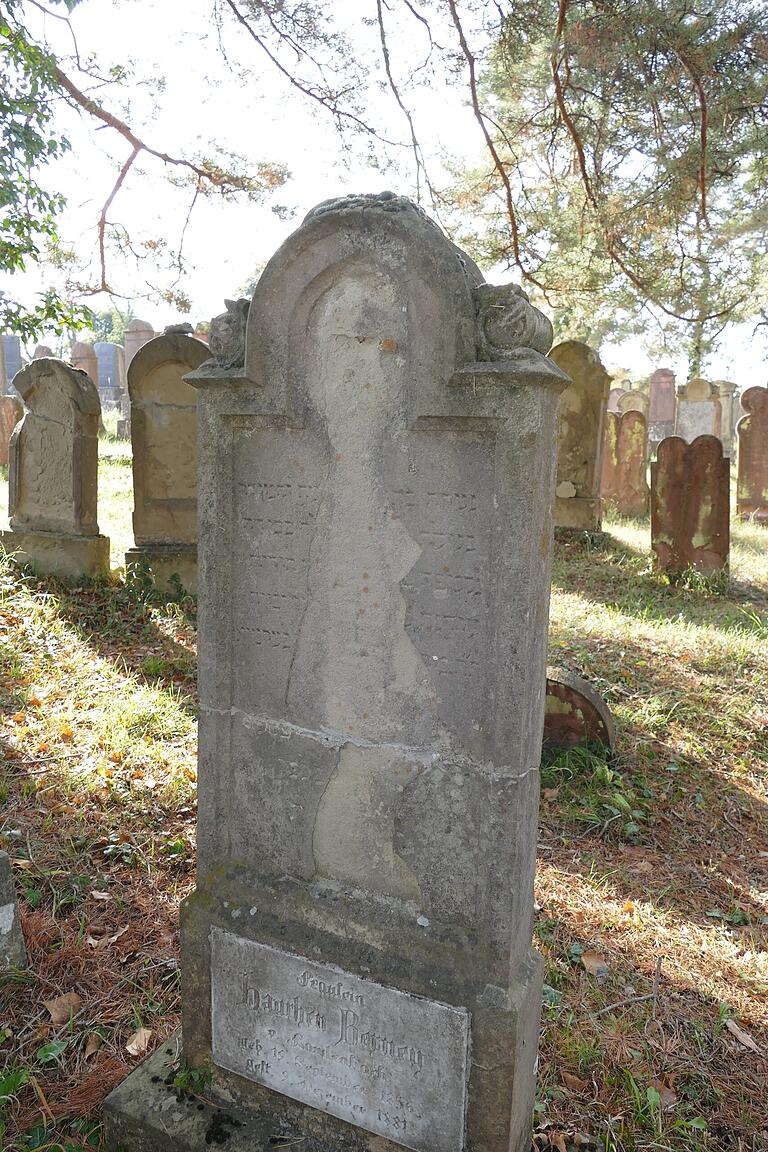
[389,1062]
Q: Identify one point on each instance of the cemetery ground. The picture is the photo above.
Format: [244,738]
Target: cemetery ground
[652,912]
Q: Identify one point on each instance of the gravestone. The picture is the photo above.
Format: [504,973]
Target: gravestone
[690,505]
[111,371]
[662,403]
[53,462]
[13,952]
[614,396]
[752,435]
[579,436]
[726,393]
[84,358]
[375,484]
[634,401]
[164,442]
[12,358]
[574,713]
[698,411]
[11,411]
[624,482]
[42,351]
[137,334]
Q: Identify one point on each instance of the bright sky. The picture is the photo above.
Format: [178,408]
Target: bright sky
[241,102]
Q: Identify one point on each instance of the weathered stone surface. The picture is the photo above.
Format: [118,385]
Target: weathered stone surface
[137,334]
[11,411]
[662,399]
[374,563]
[624,482]
[164,440]
[53,460]
[579,435]
[41,351]
[13,952]
[574,713]
[698,411]
[752,434]
[690,502]
[614,396]
[634,401]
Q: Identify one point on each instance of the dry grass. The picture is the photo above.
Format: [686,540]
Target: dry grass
[655,861]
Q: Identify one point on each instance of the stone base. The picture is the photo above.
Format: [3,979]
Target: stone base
[171,567]
[578,512]
[57,553]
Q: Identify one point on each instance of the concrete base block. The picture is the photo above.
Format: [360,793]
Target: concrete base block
[168,565]
[58,554]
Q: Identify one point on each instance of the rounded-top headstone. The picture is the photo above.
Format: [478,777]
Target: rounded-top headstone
[574,713]
[83,357]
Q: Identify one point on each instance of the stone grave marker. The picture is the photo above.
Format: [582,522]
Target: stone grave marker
[42,351]
[164,442]
[375,483]
[12,358]
[624,482]
[662,404]
[53,460]
[13,952]
[690,505]
[698,411]
[11,411]
[634,401]
[84,358]
[752,434]
[111,370]
[137,334]
[579,436]
[574,713]
[614,396]
[729,404]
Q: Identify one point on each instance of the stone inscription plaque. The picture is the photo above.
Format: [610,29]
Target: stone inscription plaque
[386,1061]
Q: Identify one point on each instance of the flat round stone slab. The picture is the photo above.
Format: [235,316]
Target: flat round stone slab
[574,713]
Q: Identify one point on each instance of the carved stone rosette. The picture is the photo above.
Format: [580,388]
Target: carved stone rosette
[507,321]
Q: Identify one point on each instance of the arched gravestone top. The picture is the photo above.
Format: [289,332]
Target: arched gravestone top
[583,405]
[634,401]
[41,351]
[54,450]
[698,389]
[574,713]
[84,358]
[752,433]
[614,396]
[164,439]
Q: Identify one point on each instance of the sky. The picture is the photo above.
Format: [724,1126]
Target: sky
[192,83]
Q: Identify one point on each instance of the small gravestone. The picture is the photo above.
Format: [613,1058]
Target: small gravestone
[111,369]
[726,394]
[614,398]
[84,358]
[574,713]
[53,460]
[137,334]
[662,405]
[698,411]
[690,502]
[11,358]
[579,436]
[13,952]
[752,434]
[624,482]
[42,351]
[634,401]
[375,483]
[11,411]
[164,441]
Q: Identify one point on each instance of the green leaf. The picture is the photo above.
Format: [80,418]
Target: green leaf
[50,1052]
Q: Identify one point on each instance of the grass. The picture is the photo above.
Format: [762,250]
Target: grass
[652,915]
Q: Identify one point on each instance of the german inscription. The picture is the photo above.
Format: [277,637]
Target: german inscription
[389,1062]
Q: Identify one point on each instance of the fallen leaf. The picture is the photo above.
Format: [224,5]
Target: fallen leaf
[139,1042]
[574,1083]
[550,793]
[742,1037]
[93,1044]
[594,963]
[34,701]
[62,1007]
[100,895]
[667,1094]
[19,718]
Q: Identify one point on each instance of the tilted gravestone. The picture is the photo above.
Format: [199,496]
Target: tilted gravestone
[624,483]
[164,441]
[11,411]
[661,406]
[53,463]
[375,486]
[698,411]
[690,505]
[752,434]
[583,405]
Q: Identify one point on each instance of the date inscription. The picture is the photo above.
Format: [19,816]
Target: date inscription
[389,1062]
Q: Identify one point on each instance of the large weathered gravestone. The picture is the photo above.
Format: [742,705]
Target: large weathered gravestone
[164,440]
[13,952]
[690,505]
[11,411]
[111,369]
[752,434]
[698,411]
[583,405]
[53,462]
[375,488]
[662,405]
[624,482]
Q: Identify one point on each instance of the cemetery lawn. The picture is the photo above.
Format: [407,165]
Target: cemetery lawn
[652,913]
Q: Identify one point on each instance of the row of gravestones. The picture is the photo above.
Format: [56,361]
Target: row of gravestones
[104,362]
[53,464]
[698,408]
